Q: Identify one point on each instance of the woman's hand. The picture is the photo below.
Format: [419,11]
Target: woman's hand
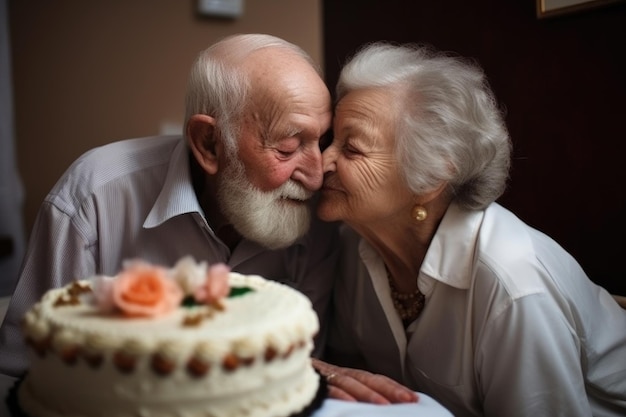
[350,384]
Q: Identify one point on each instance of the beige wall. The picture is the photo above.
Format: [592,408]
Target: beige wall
[92,72]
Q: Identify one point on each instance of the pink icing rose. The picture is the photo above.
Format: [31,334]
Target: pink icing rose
[215,286]
[145,290]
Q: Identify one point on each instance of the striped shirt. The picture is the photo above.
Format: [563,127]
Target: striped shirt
[135,199]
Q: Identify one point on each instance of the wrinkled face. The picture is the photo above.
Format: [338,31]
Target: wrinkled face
[362,182]
[283,124]
[280,163]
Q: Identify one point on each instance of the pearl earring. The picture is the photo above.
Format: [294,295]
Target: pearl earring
[419,213]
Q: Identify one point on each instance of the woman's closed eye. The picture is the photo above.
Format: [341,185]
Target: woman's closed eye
[350,150]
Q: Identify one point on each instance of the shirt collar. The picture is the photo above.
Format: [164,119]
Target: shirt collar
[451,253]
[177,195]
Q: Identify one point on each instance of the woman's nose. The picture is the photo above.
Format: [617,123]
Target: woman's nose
[329,157]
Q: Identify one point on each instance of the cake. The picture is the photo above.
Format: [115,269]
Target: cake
[170,342]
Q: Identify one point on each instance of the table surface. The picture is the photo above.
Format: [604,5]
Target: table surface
[426,407]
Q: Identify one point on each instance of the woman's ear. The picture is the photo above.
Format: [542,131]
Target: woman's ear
[436,193]
[202,136]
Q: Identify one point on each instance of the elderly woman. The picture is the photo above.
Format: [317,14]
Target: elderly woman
[443,289]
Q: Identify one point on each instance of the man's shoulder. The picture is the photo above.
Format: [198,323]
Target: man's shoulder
[129,163]
[124,157]
[140,151]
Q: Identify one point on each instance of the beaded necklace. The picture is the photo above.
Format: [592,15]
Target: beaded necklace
[409,306]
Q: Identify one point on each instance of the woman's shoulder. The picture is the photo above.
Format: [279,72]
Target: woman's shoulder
[520,258]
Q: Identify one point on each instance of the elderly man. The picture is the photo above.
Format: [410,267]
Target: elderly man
[238,189]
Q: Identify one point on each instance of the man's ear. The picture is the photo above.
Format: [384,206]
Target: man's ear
[203,138]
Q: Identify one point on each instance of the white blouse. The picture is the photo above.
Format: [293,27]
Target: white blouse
[512,326]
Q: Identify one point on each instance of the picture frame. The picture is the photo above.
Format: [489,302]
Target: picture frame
[551,8]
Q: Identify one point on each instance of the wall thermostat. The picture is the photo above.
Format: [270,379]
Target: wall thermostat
[221,8]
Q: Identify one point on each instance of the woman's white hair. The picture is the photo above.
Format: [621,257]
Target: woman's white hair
[218,86]
[448,124]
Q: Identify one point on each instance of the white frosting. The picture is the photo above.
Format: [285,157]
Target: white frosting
[189,274]
[240,378]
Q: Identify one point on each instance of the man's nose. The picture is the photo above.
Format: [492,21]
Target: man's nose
[309,172]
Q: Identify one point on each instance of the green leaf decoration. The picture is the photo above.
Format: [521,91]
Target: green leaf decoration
[189,301]
[239,291]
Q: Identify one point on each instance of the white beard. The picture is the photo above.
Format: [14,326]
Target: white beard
[263,217]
